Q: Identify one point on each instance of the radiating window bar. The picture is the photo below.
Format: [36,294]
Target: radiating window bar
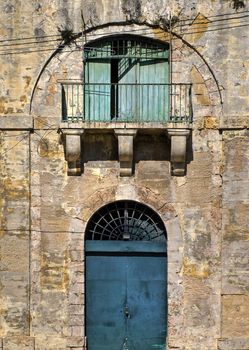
[125,220]
[125,48]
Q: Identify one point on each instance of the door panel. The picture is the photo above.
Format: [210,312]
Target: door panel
[126,296]
[105,302]
[146,289]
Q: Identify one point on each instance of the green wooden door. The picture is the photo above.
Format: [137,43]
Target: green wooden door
[128,104]
[154,94]
[126,295]
[97,94]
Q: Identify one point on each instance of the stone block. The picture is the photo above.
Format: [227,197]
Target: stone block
[200,167]
[200,230]
[17,218]
[235,248]
[14,249]
[152,170]
[75,342]
[76,321]
[77,331]
[236,190]
[234,121]
[235,316]
[19,343]
[16,122]
[194,192]
[201,306]
[235,262]
[175,242]
[50,314]
[50,343]
[235,282]
[76,297]
[76,309]
[236,165]
[233,344]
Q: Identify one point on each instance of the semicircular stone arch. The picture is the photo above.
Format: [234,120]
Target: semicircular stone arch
[67,64]
[125,220]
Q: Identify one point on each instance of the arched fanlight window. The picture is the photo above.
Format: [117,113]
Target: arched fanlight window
[131,46]
[125,220]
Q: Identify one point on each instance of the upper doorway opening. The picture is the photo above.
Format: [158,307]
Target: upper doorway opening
[124,76]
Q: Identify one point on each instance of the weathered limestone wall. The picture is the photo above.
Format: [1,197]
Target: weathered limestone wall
[235,296]
[43,211]
[14,233]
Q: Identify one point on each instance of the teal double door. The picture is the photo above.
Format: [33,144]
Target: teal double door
[126,295]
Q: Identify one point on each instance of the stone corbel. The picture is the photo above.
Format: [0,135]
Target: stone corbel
[125,149]
[72,147]
[178,150]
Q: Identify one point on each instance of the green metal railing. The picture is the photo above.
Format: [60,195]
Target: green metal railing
[134,103]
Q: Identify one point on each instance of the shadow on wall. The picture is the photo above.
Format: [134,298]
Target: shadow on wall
[104,147]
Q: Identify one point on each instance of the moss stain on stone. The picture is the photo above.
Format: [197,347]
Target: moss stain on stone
[3,102]
[16,189]
[201,270]
[54,271]
[211,122]
[27,80]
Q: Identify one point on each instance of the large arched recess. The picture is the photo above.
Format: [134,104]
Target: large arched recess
[126,278]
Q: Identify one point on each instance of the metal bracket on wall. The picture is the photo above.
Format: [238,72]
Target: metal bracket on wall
[125,149]
[178,139]
[72,146]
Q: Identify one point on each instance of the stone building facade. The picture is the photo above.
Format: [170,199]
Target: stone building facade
[55,175]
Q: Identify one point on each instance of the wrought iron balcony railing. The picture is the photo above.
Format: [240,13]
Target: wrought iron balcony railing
[130,103]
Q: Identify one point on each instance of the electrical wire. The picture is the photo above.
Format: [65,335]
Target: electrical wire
[79,48]
[30,37]
[215,16]
[215,29]
[32,42]
[216,22]
[209,19]
[15,145]
[192,22]
[179,20]
[6,136]
[61,46]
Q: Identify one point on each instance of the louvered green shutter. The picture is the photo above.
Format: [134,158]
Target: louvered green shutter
[97,87]
[154,98]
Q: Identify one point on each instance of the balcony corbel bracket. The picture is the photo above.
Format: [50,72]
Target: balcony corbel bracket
[72,146]
[178,139]
[125,149]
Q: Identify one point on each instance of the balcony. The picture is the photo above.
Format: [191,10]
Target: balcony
[102,104]
[126,109]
